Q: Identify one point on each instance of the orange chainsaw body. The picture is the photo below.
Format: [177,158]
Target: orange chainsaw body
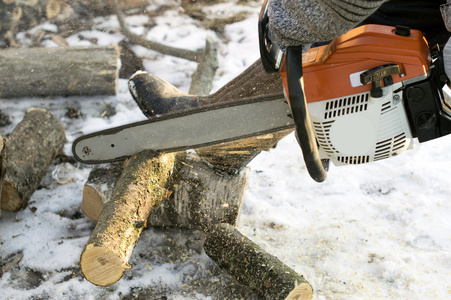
[330,71]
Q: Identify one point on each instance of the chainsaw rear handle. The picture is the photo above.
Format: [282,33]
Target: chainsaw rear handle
[303,125]
[270,54]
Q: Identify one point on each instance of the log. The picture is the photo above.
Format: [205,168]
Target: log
[2,164]
[32,147]
[234,156]
[156,96]
[141,187]
[202,78]
[249,264]
[199,199]
[37,71]
[98,188]
[106,7]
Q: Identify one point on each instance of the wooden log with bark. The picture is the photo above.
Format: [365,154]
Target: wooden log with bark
[252,266]
[98,188]
[32,147]
[62,71]
[2,163]
[156,96]
[141,187]
[200,197]
[106,7]
[25,14]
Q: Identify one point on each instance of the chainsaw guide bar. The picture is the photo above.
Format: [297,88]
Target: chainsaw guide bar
[185,130]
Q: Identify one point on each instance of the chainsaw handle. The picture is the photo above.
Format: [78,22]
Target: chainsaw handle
[303,125]
[270,54]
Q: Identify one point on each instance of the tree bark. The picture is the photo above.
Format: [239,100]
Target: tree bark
[156,96]
[252,82]
[32,147]
[38,71]
[200,197]
[249,264]
[2,164]
[202,78]
[141,188]
[106,7]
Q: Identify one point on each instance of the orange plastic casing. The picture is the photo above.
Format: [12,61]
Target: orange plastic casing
[327,69]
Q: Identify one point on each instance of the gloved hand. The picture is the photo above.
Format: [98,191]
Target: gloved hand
[302,22]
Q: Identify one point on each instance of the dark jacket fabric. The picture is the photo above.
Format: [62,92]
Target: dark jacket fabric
[421,15]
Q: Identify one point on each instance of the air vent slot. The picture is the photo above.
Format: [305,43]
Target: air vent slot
[388,147]
[322,131]
[345,106]
[354,160]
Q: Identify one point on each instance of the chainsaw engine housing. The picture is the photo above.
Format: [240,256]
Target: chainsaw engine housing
[370,92]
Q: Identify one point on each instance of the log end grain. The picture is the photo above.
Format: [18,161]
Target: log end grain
[101,266]
[140,188]
[92,203]
[303,291]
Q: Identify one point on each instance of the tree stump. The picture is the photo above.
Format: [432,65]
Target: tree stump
[252,266]
[32,147]
[141,187]
[37,71]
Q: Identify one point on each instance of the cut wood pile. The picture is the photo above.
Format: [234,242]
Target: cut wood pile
[202,190]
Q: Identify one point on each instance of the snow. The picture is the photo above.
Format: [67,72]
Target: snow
[375,231]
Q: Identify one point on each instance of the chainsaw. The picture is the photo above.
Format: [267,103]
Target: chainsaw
[361,98]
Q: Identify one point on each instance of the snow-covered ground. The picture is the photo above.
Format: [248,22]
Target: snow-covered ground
[375,231]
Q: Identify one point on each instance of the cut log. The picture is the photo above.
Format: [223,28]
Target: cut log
[199,199]
[99,187]
[249,264]
[2,163]
[37,71]
[141,187]
[32,147]
[232,157]
[252,82]
[202,78]
[156,96]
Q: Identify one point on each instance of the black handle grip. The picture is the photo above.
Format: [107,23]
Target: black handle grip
[270,54]
[303,125]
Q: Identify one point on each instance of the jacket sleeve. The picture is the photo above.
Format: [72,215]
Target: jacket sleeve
[302,22]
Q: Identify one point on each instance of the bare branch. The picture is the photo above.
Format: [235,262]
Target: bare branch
[136,39]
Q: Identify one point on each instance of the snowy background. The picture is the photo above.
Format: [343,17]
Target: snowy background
[376,231]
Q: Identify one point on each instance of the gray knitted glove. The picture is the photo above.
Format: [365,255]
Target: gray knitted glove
[302,22]
[447,58]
